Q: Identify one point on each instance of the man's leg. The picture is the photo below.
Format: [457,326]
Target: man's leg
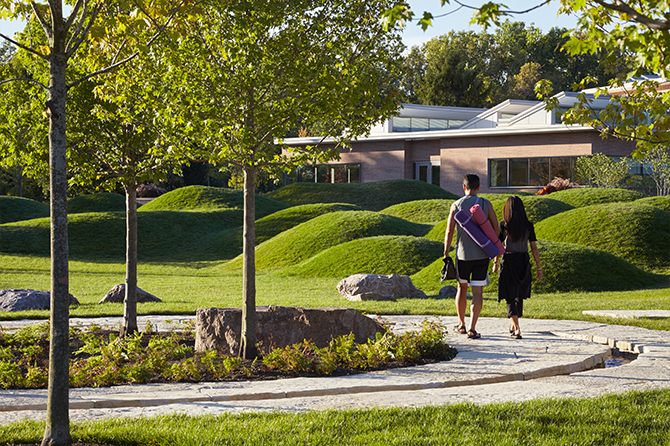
[462,302]
[477,304]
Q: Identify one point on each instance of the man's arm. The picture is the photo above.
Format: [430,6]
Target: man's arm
[449,233]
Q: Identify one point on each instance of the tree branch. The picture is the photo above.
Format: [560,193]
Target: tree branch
[43,22]
[27,79]
[620,6]
[75,10]
[132,56]
[82,37]
[24,47]
[506,12]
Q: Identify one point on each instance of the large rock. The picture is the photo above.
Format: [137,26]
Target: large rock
[377,287]
[276,327]
[118,295]
[23,300]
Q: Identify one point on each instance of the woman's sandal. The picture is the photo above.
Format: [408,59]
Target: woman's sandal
[460,329]
[515,336]
[472,334]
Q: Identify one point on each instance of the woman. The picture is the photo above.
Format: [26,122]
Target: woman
[514,283]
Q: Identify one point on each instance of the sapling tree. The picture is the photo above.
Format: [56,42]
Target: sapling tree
[98,36]
[601,170]
[118,136]
[250,70]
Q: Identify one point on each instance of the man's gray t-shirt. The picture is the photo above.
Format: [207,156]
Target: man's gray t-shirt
[466,247]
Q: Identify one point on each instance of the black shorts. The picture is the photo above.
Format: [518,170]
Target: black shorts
[473,271]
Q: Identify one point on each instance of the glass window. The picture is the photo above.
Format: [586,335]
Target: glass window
[539,172]
[419,124]
[561,168]
[306,174]
[402,124]
[423,174]
[438,124]
[338,174]
[354,173]
[497,173]
[323,174]
[435,175]
[518,172]
[456,123]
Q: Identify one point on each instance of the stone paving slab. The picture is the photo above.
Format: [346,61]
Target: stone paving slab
[630,314]
[554,359]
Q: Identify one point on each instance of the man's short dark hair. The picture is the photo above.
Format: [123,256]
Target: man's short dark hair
[471,181]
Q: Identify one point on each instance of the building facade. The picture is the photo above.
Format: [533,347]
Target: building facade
[515,146]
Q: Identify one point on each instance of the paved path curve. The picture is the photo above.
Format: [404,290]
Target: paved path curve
[555,358]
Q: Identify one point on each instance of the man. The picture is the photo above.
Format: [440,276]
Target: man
[472,263]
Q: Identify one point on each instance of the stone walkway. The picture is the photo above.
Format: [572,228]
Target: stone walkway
[555,358]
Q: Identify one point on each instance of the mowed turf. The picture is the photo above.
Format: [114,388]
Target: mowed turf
[659,202]
[421,211]
[567,267]
[388,254]
[308,239]
[636,232]
[587,196]
[103,202]
[370,196]
[209,198]
[18,209]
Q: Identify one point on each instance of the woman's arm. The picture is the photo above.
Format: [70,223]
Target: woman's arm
[536,256]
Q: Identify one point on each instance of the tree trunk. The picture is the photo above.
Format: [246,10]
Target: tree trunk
[248,341]
[57,430]
[130,301]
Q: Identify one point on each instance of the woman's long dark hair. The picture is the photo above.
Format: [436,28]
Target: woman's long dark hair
[516,221]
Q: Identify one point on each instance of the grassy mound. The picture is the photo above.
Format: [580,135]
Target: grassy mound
[421,211]
[638,233]
[390,254]
[104,202]
[587,196]
[566,267]
[18,209]
[280,221]
[209,198]
[537,207]
[162,235]
[659,202]
[371,196]
[318,234]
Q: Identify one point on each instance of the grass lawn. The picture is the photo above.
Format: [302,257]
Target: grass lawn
[635,418]
[184,287]
[187,241]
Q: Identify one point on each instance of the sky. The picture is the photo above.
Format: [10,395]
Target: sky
[458,19]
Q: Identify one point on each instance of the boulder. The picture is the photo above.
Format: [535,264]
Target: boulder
[23,300]
[276,327]
[377,287]
[451,292]
[448,291]
[118,295]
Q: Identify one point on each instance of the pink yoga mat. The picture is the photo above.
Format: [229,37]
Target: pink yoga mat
[470,226]
[485,225]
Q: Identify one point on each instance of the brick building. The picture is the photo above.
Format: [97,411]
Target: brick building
[516,145]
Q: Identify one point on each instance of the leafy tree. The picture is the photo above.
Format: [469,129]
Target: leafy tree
[22,122]
[522,85]
[253,69]
[455,83]
[117,136]
[99,32]
[601,170]
[658,160]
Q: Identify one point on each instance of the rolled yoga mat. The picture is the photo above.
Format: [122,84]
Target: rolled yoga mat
[470,226]
[485,225]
